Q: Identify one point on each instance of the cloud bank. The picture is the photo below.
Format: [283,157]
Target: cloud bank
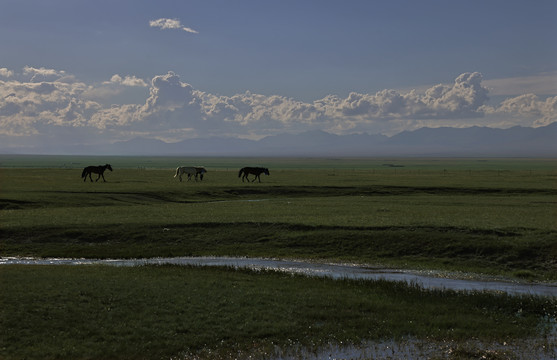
[51,102]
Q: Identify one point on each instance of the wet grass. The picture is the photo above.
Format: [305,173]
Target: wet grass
[180,312]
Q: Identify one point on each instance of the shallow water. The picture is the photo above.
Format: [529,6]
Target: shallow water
[425,279]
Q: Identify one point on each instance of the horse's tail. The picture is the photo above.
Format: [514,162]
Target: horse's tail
[177,170]
[84,173]
[241,171]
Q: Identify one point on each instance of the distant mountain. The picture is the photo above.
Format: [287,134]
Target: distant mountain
[474,141]
[480,141]
[319,143]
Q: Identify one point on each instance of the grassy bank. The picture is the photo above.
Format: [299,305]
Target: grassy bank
[172,311]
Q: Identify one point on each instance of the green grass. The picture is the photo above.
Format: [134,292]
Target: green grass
[153,312]
[494,216]
[477,220]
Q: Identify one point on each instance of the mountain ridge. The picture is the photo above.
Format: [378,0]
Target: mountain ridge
[473,141]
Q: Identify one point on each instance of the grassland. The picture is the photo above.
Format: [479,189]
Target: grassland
[419,214]
[494,216]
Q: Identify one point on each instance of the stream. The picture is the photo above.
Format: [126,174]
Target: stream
[425,279]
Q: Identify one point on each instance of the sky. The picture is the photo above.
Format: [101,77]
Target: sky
[87,72]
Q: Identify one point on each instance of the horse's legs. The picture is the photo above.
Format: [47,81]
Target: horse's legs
[104,180]
[90,178]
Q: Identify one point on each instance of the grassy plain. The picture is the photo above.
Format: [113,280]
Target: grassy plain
[494,216]
[496,219]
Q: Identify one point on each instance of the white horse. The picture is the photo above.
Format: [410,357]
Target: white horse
[190,170]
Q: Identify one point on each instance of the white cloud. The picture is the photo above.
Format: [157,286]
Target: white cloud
[126,81]
[174,104]
[4,72]
[462,99]
[528,106]
[42,74]
[28,106]
[165,24]
[174,108]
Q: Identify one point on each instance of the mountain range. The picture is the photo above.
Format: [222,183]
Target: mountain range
[473,141]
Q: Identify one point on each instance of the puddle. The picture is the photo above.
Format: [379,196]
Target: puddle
[410,348]
[525,349]
[425,279]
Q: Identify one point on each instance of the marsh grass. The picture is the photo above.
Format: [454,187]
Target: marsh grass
[164,311]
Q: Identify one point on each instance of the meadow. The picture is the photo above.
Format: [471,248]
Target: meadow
[484,216]
[436,214]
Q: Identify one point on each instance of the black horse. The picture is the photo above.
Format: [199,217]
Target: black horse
[257,171]
[97,170]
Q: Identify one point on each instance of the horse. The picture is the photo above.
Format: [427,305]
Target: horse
[97,170]
[257,171]
[190,170]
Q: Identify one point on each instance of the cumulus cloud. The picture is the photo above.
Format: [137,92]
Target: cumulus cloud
[126,81]
[463,98]
[26,106]
[43,74]
[175,104]
[165,24]
[45,98]
[528,106]
[4,72]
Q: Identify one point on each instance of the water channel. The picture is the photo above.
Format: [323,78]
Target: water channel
[425,279]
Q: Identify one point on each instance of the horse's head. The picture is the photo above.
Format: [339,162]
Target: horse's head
[267,171]
[108,167]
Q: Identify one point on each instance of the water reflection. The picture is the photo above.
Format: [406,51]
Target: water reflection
[428,280]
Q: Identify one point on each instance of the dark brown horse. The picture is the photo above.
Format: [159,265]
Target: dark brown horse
[257,171]
[97,170]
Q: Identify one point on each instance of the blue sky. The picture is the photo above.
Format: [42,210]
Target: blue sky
[115,70]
